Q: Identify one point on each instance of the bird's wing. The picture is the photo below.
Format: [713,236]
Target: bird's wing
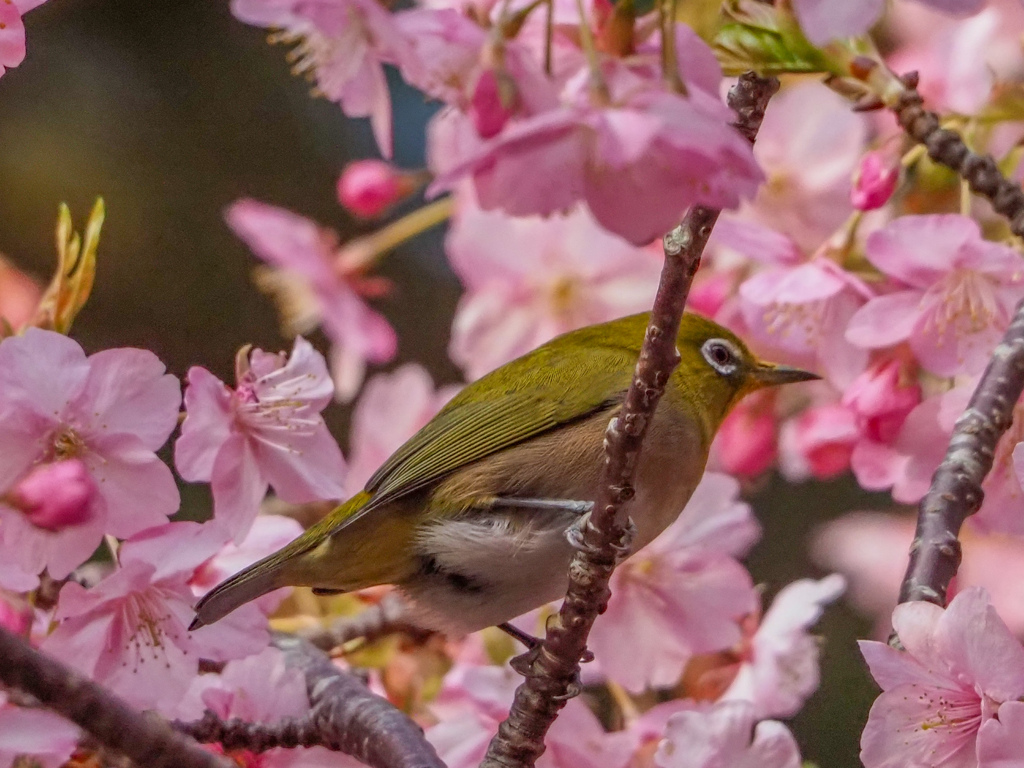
[517,407]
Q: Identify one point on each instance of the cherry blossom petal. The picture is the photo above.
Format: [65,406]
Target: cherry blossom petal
[207,425]
[238,485]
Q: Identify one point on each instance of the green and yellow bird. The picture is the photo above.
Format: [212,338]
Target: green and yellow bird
[469,517]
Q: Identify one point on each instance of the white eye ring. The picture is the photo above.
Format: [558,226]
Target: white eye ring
[721,355]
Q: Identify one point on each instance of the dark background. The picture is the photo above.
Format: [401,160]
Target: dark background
[172,110]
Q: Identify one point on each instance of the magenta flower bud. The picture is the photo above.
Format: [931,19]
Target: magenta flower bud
[14,618]
[55,496]
[874,181]
[368,188]
[490,108]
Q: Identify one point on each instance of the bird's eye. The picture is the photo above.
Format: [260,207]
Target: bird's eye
[721,355]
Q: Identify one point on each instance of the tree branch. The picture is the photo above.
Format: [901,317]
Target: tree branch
[553,668]
[948,148]
[344,716]
[386,617]
[956,492]
[147,740]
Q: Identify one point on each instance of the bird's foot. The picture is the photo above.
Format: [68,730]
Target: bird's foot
[623,549]
[516,633]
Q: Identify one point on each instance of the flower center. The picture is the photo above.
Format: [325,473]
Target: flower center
[146,618]
[963,301]
[782,319]
[562,294]
[67,444]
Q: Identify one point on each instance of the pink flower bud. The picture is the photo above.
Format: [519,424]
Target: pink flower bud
[492,103]
[55,496]
[709,293]
[14,618]
[874,182]
[821,439]
[745,445]
[368,188]
[880,401]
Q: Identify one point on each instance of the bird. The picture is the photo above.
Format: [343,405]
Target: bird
[472,518]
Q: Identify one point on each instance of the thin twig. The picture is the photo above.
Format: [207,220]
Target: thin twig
[344,716]
[147,740]
[386,617]
[553,671]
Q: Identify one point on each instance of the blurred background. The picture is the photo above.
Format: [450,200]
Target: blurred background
[170,110]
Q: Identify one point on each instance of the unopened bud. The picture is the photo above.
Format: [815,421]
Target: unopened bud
[55,496]
[492,103]
[368,188]
[874,182]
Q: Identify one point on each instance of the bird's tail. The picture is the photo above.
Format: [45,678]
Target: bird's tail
[271,572]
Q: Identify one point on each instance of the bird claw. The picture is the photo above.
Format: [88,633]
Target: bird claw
[575,536]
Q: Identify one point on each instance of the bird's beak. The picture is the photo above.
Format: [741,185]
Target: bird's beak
[767,375]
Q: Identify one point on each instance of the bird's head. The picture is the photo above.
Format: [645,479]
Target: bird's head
[716,370]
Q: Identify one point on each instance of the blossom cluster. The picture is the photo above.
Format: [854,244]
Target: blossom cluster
[569,136]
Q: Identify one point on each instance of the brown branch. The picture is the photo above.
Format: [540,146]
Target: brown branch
[147,740]
[344,716]
[386,617]
[948,148]
[552,670]
[956,493]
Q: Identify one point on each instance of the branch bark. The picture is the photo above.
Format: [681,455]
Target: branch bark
[948,148]
[147,740]
[388,616]
[344,716]
[553,668]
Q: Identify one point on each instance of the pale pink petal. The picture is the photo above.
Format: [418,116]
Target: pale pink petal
[920,249]
[41,370]
[725,735]
[957,347]
[238,486]
[999,740]
[979,647]
[891,668]
[128,391]
[45,737]
[12,37]
[885,320]
[310,468]
[207,425]
[137,490]
[175,549]
[894,738]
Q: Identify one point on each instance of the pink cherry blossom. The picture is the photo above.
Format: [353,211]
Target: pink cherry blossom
[682,594]
[875,181]
[796,304]
[727,734]
[15,614]
[369,188]
[637,162]
[266,431]
[475,699]
[779,670]
[809,145]
[392,409]
[46,739]
[55,496]
[343,43]
[567,273]
[111,411]
[459,62]
[961,668]
[870,549]
[959,295]
[260,689]
[318,284]
[129,632]
[745,444]
[12,31]
[907,464]
[819,442]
